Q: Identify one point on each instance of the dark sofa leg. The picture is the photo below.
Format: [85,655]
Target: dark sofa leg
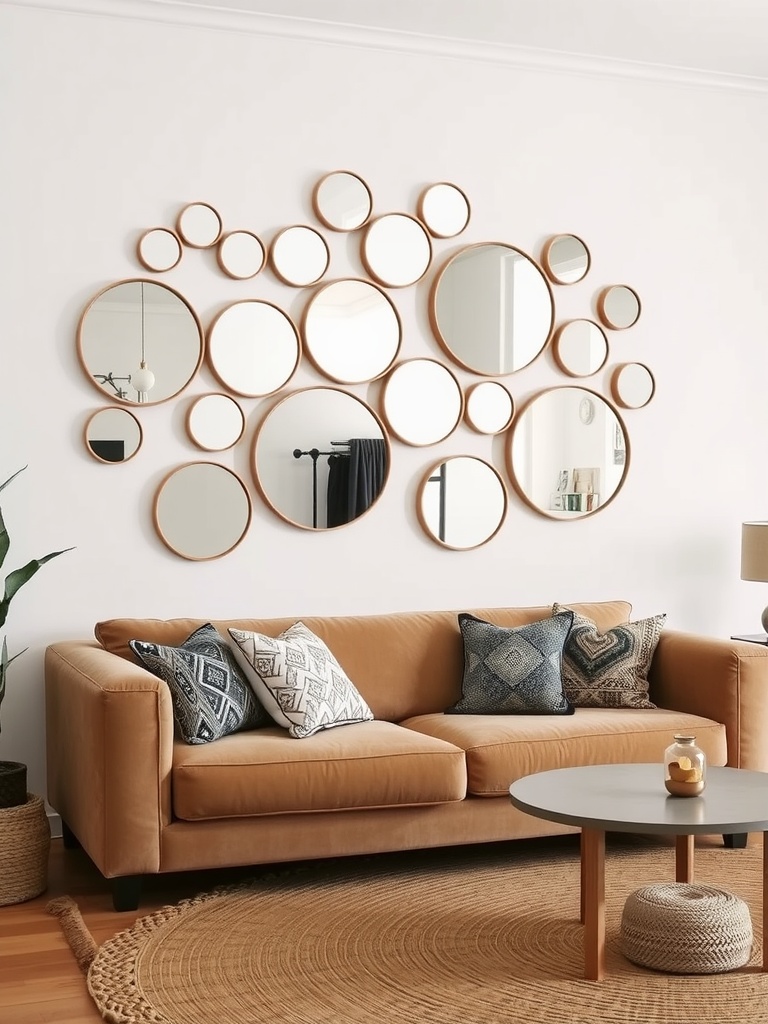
[735,841]
[71,842]
[126,891]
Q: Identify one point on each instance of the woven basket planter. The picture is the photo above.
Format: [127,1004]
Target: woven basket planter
[25,841]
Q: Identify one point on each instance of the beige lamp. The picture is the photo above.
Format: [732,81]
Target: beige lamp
[754,556]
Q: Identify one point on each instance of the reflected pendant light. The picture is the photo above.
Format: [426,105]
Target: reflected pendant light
[143,379]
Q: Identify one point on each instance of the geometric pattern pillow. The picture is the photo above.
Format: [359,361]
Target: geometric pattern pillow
[513,671]
[210,696]
[609,670]
[298,680]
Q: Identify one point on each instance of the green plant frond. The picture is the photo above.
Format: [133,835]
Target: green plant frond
[5,540]
[15,580]
[5,661]
[10,478]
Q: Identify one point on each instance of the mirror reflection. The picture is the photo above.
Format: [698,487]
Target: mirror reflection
[253,348]
[618,307]
[422,401]
[140,342]
[342,201]
[202,510]
[112,435]
[580,348]
[633,385]
[199,225]
[565,463]
[159,249]
[489,407]
[320,458]
[566,259]
[241,254]
[492,308]
[396,250]
[462,502]
[352,331]
[215,422]
[444,209]
[299,255]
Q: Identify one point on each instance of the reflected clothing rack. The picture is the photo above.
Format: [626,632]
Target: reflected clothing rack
[315,454]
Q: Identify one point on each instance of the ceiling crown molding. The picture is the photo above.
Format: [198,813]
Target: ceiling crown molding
[219,16]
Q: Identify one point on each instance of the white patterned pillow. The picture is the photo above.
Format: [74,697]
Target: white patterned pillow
[298,680]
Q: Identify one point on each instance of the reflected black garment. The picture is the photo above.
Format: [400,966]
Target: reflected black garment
[355,480]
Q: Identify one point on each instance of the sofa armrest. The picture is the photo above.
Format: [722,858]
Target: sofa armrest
[726,680]
[109,743]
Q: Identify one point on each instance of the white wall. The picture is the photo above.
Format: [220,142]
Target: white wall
[111,125]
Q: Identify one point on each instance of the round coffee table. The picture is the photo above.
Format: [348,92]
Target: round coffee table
[604,798]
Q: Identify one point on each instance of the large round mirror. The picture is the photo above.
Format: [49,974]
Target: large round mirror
[565,259]
[618,307]
[320,458]
[299,255]
[462,502]
[342,201]
[159,249]
[352,331]
[444,209]
[422,401]
[139,322]
[580,348]
[112,435]
[567,453]
[489,407]
[241,254]
[215,422]
[199,225]
[253,348]
[632,385]
[396,250]
[202,510]
[492,309]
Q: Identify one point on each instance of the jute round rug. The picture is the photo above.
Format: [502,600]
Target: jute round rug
[466,937]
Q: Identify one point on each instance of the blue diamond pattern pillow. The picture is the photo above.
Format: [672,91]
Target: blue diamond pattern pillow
[210,696]
[513,671]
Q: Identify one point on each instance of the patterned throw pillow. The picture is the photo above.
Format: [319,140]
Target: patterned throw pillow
[298,680]
[210,696]
[609,670]
[513,671]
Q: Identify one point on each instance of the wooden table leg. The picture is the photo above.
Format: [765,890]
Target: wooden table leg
[765,900]
[684,858]
[593,901]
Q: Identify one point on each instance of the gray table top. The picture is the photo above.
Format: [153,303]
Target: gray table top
[632,798]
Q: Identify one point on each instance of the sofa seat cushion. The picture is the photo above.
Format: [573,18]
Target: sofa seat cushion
[363,765]
[502,748]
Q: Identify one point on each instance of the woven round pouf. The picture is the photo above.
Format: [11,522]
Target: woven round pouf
[686,929]
[25,841]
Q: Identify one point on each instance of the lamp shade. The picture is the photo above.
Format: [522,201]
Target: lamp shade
[754,552]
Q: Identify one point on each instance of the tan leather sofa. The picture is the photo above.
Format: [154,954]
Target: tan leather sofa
[140,802]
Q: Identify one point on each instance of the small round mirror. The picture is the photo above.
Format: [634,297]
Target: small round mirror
[422,402]
[202,510]
[199,225]
[632,385]
[444,209]
[253,348]
[580,348]
[112,435]
[462,502]
[396,250]
[342,201]
[215,422]
[299,255]
[159,249]
[618,307]
[489,407]
[565,259]
[241,254]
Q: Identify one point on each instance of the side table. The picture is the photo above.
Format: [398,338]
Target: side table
[753,638]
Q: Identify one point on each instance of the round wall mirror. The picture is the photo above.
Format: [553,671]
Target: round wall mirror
[422,402]
[396,250]
[462,502]
[580,348]
[489,407]
[444,209]
[159,249]
[112,435]
[320,458]
[492,309]
[199,225]
[215,422]
[241,254]
[565,259]
[342,201]
[202,510]
[134,322]
[567,453]
[253,348]
[299,255]
[632,385]
[618,307]
[352,331]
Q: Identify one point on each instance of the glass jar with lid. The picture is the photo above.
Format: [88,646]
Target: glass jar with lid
[685,767]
